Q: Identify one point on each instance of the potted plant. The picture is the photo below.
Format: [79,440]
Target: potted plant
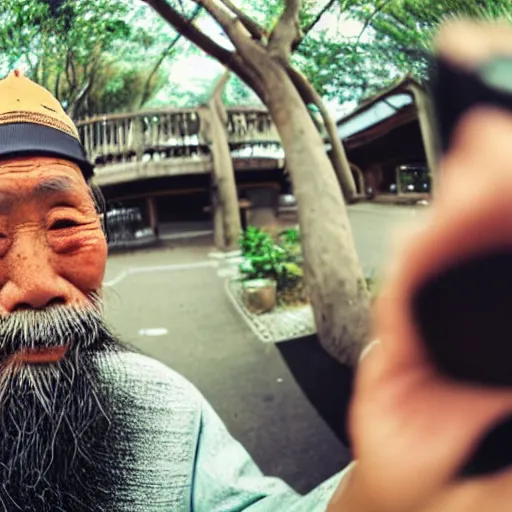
[260,268]
[272,270]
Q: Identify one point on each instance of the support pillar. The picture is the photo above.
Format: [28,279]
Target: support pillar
[398,177]
[357,173]
[428,132]
[153,215]
[218,221]
[264,207]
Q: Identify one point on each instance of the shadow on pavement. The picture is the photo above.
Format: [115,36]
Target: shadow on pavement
[326,383]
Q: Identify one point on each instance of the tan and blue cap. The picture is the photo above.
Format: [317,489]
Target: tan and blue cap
[33,123]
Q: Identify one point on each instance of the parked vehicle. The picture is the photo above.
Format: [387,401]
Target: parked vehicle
[123,224]
[414,178]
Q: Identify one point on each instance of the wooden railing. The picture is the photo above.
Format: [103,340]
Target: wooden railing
[169,133]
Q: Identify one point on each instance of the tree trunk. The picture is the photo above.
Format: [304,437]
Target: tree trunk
[224,175]
[333,274]
[334,277]
[75,103]
[338,156]
[428,132]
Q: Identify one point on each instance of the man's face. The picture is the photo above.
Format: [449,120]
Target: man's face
[52,248]
[55,415]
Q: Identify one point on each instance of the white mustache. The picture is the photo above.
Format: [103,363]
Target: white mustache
[51,327]
[75,327]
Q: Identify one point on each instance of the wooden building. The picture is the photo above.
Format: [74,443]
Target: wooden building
[390,142]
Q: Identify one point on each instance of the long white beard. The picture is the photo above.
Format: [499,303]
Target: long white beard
[55,418]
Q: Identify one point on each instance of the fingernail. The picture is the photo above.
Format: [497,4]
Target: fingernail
[368,349]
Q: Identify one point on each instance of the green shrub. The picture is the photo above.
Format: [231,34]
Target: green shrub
[290,241]
[291,236]
[264,258]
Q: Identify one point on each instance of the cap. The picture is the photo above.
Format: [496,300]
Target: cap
[32,122]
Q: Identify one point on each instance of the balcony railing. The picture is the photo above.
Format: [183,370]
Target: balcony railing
[170,133]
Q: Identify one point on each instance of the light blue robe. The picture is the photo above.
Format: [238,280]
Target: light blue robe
[180,457]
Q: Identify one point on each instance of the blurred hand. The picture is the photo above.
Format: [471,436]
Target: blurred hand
[412,429]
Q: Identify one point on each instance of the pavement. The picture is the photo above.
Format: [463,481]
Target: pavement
[171,303]
[174,307]
[377,227]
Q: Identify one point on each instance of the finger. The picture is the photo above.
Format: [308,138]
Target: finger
[470,216]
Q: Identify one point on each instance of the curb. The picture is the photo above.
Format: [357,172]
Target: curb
[249,318]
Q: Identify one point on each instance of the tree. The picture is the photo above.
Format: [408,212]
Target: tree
[261,58]
[394,40]
[79,51]
[401,32]
[237,93]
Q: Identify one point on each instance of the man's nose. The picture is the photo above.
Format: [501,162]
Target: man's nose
[32,282]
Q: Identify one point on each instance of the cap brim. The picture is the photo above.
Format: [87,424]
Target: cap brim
[29,139]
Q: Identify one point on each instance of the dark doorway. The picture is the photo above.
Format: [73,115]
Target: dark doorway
[185,212]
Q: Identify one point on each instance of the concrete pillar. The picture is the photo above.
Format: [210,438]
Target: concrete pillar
[264,206]
[428,132]
[373,180]
[218,219]
[359,179]
[152,214]
[398,174]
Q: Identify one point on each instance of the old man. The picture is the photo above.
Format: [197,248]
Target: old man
[85,423]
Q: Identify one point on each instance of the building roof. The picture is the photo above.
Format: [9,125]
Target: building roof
[379,109]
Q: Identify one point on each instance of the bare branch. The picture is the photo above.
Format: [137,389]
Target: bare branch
[163,56]
[75,103]
[314,22]
[156,67]
[73,71]
[220,85]
[235,30]
[253,28]
[66,67]
[57,86]
[339,158]
[370,18]
[287,32]
[230,59]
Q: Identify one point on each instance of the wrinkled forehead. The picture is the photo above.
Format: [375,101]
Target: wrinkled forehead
[40,177]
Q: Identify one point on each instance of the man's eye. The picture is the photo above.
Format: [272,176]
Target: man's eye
[63,224]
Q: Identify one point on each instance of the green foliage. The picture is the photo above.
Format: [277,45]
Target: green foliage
[238,93]
[264,258]
[403,30]
[95,56]
[103,56]
[394,40]
[291,236]
[290,240]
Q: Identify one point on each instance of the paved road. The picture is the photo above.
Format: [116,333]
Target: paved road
[247,382]
[375,226]
[178,294]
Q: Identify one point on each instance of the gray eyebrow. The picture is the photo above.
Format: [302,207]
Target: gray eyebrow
[52,185]
[43,189]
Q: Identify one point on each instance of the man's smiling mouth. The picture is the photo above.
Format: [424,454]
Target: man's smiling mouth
[43,355]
